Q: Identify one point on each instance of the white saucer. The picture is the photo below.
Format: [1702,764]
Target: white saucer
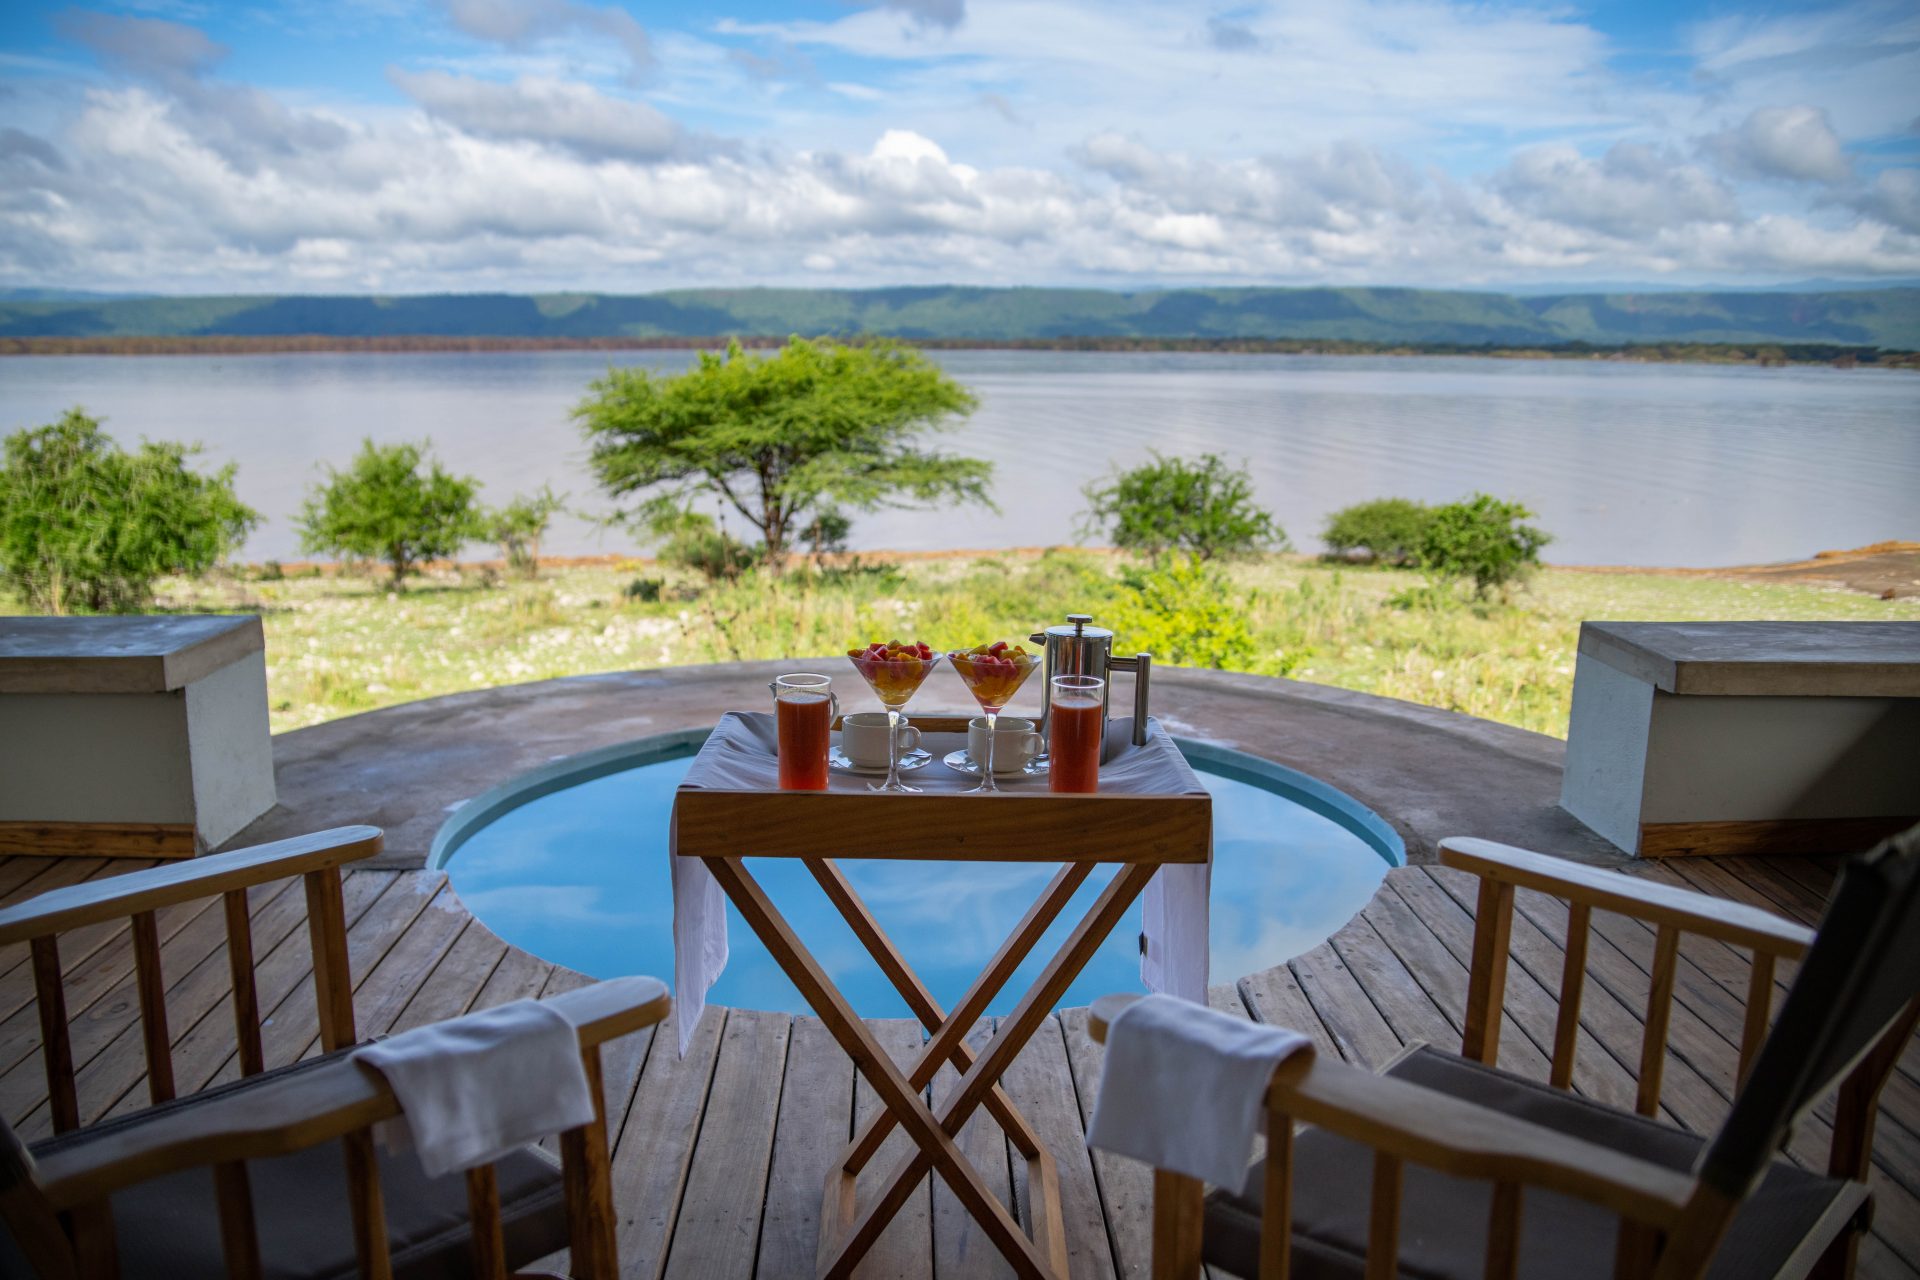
[961,762]
[909,761]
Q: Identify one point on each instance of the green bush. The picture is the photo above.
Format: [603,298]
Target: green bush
[1184,611]
[694,541]
[645,590]
[1203,507]
[85,524]
[1482,540]
[1389,530]
[396,505]
[520,525]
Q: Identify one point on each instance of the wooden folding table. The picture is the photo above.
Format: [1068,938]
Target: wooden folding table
[1140,831]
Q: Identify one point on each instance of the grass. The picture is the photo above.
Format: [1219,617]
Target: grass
[337,646]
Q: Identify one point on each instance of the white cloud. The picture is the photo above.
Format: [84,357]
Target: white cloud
[1632,190]
[519,24]
[1795,143]
[537,109]
[1894,198]
[930,13]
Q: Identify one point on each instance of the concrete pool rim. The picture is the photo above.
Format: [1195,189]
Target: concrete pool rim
[560,774]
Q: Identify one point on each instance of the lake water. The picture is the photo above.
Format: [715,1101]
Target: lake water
[1626,464]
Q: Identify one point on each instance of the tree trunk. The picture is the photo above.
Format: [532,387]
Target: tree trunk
[399,561]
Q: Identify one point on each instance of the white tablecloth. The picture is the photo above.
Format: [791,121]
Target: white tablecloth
[741,755]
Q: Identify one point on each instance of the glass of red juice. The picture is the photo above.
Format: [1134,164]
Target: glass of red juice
[1076,730]
[803,715]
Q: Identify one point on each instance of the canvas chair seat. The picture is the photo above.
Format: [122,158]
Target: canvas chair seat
[1443,1225]
[170,1227]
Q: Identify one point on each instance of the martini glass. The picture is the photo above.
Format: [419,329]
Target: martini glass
[894,676]
[992,679]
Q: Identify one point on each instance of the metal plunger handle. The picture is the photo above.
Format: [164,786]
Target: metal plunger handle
[1141,664]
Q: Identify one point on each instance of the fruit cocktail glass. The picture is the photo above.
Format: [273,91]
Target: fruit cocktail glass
[993,674]
[895,672]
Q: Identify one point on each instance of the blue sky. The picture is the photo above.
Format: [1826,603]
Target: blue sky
[404,145]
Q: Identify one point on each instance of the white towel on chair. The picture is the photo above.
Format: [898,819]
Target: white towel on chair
[475,1088]
[1183,1085]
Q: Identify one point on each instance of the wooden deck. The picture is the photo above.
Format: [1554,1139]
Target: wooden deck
[720,1156]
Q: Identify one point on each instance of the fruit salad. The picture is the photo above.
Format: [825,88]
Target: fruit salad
[994,672]
[895,670]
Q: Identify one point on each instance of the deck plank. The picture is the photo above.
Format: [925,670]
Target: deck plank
[815,1122]
[655,1144]
[1042,1086]
[717,1233]
[1344,1007]
[961,1250]
[905,1248]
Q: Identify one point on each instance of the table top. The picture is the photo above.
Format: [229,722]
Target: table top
[1151,806]
[1777,659]
[151,653]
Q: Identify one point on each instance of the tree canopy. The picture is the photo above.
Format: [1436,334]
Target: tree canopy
[818,425]
[394,504]
[1481,539]
[86,524]
[1202,507]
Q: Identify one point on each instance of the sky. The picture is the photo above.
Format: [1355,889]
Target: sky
[401,146]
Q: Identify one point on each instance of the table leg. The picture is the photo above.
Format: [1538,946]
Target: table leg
[1014,1032]
[899,1097]
[948,1040]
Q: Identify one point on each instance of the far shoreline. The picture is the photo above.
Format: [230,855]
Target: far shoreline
[1739,354]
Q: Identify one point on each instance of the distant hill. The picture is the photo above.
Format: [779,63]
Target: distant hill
[1887,318]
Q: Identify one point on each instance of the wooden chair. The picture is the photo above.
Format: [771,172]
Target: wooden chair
[1445,1166]
[277,1173]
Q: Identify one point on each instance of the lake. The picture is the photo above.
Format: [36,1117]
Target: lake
[1689,465]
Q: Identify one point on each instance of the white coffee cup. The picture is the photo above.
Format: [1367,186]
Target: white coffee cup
[1015,743]
[863,738]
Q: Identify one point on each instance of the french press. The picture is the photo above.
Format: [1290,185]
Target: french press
[1078,649]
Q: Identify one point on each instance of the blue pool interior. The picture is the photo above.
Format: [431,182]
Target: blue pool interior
[570,863]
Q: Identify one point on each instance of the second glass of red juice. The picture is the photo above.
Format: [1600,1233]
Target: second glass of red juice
[1076,730]
[803,717]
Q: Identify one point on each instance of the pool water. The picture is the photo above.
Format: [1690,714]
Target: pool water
[571,865]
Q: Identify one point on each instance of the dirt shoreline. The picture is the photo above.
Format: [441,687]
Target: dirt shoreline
[1890,570]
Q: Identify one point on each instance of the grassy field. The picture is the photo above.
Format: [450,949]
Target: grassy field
[336,646]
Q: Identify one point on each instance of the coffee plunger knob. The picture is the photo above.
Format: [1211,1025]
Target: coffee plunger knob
[1079,620]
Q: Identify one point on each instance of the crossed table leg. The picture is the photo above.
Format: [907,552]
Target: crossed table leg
[848,1231]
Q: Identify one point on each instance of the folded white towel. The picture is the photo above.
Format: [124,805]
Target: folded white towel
[473,1089]
[1183,1085]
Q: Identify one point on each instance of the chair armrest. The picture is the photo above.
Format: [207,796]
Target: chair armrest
[115,897]
[1456,1136]
[1702,913]
[283,1114]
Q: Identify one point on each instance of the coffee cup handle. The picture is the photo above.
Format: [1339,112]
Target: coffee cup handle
[1032,745]
[909,738]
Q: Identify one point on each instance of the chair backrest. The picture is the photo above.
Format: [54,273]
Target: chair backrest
[1859,978]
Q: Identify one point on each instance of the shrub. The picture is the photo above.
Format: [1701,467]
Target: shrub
[1185,611]
[693,540]
[645,590]
[86,524]
[1202,507]
[520,525]
[1389,530]
[1481,539]
[386,507]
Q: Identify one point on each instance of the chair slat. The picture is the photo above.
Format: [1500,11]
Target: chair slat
[368,1205]
[96,1251]
[332,974]
[246,1002]
[1487,984]
[586,1174]
[239,1235]
[1573,981]
[1759,1011]
[1276,1203]
[483,1217]
[1653,1048]
[1383,1222]
[56,1051]
[1503,1232]
[153,1006]
[1179,1213]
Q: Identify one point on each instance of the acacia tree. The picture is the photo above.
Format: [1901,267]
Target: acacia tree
[385,507]
[816,426]
[86,524]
